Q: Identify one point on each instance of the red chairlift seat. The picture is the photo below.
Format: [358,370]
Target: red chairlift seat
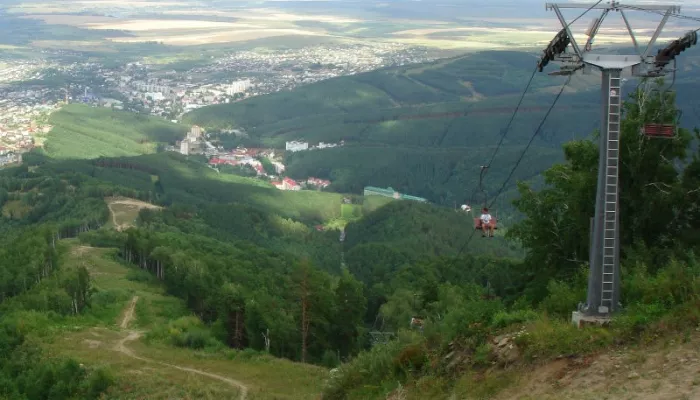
[477,223]
[659,130]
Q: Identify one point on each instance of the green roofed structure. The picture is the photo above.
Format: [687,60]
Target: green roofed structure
[390,192]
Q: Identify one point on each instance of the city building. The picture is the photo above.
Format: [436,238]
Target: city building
[290,184]
[287,184]
[238,87]
[390,192]
[195,133]
[296,146]
[185,147]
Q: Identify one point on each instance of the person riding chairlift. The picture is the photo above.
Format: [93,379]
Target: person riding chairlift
[466,208]
[486,225]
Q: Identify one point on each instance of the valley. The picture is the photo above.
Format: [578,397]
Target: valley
[283,200]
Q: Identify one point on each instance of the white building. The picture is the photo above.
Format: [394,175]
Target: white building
[185,147]
[322,145]
[238,87]
[195,133]
[157,96]
[296,146]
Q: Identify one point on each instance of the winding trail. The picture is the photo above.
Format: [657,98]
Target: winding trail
[135,335]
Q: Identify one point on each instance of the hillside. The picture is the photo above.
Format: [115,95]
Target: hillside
[232,207]
[80,131]
[425,129]
[145,366]
[224,287]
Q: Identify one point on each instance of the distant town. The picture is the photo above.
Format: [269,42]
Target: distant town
[32,89]
[252,159]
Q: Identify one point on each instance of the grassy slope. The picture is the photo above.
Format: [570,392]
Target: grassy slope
[94,339]
[84,132]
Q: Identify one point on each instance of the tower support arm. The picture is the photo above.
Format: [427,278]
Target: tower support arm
[577,50]
[631,32]
[616,5]
[656,34]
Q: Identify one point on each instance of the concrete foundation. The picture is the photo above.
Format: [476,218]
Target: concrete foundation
[580,319]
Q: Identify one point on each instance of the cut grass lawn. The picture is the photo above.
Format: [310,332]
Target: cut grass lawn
[95,345]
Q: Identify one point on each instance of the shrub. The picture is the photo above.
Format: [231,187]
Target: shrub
[185,332]
[562,299]
[411,357]
[98,382]
[139,275]
[330,359]
[370,369]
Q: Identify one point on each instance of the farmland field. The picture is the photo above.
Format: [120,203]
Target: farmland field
[103,23]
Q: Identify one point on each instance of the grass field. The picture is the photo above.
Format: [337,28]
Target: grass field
[15,209]
[81,131]
[155,370]
[125,211]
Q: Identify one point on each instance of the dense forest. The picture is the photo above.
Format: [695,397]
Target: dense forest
[426,129]
[255,272]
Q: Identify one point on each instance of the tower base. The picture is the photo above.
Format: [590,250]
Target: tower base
[580,319]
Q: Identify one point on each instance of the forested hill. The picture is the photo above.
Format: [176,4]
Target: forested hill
[425,129]
[224,271]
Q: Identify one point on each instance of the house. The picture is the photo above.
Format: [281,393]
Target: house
[279,185]
[290,184]
[322,183]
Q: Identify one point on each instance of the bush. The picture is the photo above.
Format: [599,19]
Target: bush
[678,283]
[140,275]
[562,299]
[372,368]
[330,359]
[98,382]
[187,332]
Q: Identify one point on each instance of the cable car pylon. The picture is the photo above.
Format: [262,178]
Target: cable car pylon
[603,298]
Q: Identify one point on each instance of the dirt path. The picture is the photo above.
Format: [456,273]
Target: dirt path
[135,335]
[129,314]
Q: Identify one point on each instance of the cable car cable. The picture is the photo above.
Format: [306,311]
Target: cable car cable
[533,136]
[532,139]
[527,87]
[522,155]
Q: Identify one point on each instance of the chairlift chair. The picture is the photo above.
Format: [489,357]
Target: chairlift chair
[482,192]
[661,129]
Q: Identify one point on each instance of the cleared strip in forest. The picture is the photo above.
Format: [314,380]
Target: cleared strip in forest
[450,114]
[134,335]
